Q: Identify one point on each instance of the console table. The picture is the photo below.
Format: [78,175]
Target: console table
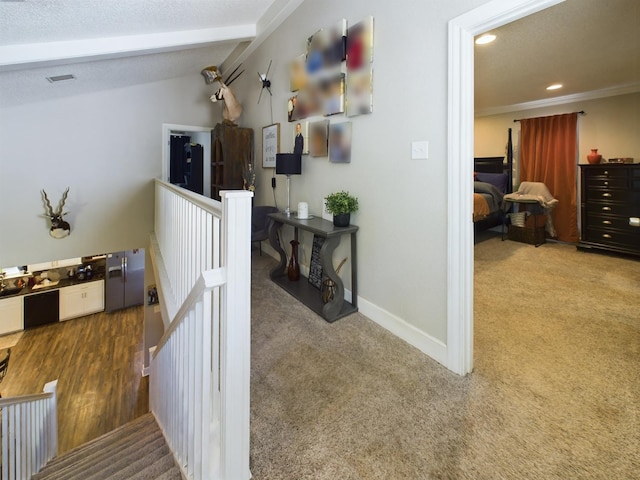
[301,289]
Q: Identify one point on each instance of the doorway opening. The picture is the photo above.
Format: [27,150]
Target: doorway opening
[197,136]
[460,168]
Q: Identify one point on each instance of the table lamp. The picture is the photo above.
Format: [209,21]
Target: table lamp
[288,164]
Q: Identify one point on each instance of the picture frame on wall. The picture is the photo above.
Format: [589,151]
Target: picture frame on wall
[340,142]
[359,99]
[301,137]
[298,73]
[360,45]
[270,145]
[319,138]
[332,91]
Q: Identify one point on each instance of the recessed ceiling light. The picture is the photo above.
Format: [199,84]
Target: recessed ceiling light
[484,39]
[61,78]
[555,86]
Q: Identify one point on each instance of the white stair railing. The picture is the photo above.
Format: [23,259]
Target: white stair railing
[29,432]
[199,375]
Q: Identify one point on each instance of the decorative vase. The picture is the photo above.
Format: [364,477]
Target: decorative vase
[293,270]
[594,156]
[342,220]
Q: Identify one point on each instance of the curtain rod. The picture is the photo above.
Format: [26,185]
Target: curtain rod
[581,112]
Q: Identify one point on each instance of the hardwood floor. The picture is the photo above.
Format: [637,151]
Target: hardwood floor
[98,362]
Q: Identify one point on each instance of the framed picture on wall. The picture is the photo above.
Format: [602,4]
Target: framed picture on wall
[318,138]
[340,142]
[270,145]
[301,137]
[359,92]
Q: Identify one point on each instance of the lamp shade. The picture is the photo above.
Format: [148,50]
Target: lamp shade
[288,163]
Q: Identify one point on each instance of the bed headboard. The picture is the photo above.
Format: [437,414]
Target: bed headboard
[497,165]
[500,173]
[489,165]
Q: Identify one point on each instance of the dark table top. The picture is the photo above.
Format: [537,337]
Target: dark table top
[317,225]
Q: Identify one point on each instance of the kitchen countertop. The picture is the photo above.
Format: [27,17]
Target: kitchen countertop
[64,282]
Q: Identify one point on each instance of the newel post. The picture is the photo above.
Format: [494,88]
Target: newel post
[235,334]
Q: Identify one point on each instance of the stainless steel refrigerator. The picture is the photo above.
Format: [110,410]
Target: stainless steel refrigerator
[124,282]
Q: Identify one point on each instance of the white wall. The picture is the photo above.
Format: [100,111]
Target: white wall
[105,146]
[610,124]
[402,217]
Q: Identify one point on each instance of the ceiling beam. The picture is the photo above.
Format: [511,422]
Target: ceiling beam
[17,57]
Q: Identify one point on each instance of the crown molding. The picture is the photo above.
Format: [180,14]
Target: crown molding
[550,102]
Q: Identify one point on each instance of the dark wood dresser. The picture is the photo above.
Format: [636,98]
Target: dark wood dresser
[231,152]
[609,196]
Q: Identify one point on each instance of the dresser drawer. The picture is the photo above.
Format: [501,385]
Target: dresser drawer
[599,181]
[610,171]
[616,209]
[611,195]
[595,220]
[613,238]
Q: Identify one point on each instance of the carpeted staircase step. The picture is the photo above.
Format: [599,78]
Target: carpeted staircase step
[136,450]
[109,441]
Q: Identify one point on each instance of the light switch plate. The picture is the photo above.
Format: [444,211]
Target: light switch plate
[420,150]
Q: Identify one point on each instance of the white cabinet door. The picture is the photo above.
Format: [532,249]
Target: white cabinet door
[94,297]
[79,300]
[11,312]
[72,302]
[67,262]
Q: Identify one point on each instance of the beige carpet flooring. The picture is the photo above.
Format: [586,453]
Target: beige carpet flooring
[555,393]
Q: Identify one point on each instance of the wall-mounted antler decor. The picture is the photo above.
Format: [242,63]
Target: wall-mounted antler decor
[59,227]
[232,108]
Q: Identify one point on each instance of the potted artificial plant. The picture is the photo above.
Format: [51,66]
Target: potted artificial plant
[341,204]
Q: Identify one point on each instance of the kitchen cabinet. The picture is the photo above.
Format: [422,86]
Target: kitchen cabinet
[68,262]
[82,299]
[11,314]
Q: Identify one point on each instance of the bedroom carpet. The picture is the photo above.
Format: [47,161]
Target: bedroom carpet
[554,393]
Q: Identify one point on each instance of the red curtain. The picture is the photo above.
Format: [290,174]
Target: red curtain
[548,154]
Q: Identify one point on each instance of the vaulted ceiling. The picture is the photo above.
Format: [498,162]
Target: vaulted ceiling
[115,43]
[591,46]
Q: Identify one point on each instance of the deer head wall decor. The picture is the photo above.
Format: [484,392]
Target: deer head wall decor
[59,227]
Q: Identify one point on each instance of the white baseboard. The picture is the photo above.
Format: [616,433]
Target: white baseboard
[424,342]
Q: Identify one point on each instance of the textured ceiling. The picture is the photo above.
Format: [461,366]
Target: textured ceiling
[115,43]
[31,21]
[587,45]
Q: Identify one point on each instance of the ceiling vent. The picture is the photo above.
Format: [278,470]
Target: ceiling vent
[61,78]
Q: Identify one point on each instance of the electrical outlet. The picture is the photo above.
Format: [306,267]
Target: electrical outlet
[420,150]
